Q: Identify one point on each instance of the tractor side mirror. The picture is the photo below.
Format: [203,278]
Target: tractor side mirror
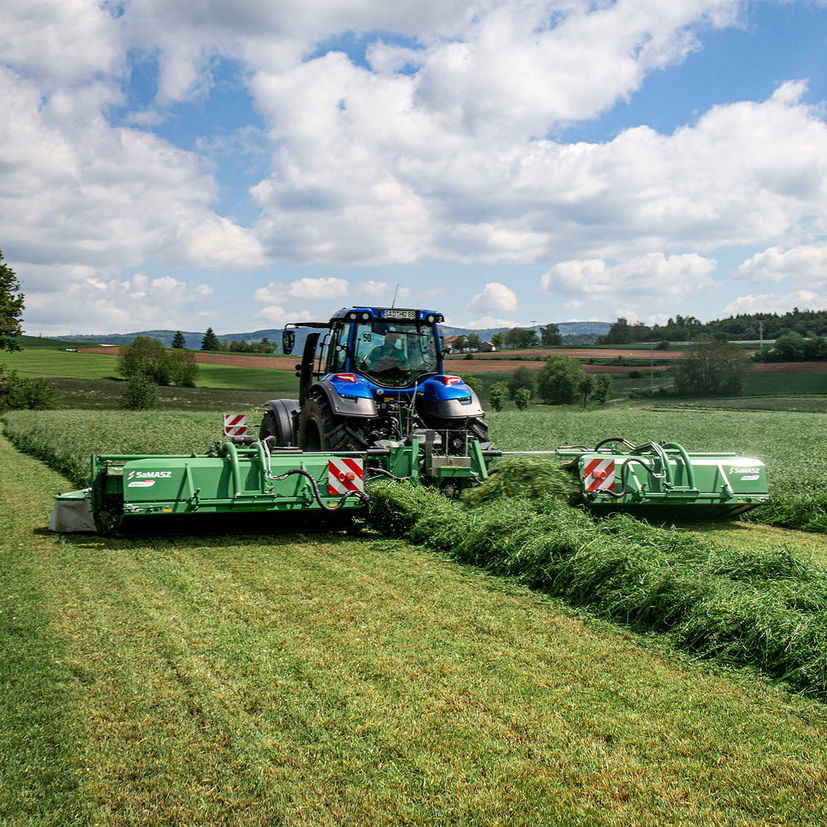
[288,341]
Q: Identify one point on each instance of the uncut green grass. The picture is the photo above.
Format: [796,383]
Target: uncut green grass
[327,681]
[791,444]
[65,440]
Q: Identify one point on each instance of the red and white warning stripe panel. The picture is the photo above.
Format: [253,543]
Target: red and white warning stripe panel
[599,475]
[345,474]
[235,424]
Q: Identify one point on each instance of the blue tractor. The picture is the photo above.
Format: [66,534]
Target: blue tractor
[369,376]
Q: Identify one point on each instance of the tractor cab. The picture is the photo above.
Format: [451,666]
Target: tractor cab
[389,352]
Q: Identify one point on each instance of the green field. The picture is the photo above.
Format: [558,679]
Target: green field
[786,383]
[324,680]
[49,364]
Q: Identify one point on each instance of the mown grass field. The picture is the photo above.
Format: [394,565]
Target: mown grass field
[318,679]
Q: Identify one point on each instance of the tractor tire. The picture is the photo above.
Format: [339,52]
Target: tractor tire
[321,430]
[277,422]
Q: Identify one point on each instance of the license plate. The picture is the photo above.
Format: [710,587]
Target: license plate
[400,314]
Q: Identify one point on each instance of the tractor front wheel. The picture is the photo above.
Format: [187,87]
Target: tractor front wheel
[277,422]
[321,430]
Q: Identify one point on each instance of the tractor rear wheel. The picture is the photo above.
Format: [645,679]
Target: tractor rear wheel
[321,430]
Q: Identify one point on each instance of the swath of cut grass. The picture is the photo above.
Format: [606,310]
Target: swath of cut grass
[524,476]
[767,610]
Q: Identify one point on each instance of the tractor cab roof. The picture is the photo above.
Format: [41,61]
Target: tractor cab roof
[387,313]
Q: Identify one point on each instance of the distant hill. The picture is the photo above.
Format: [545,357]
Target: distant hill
[193,338]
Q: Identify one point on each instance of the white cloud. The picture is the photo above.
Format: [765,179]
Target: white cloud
[277,316]
[59,43]
[776,303]
[495,297]
[653,279]
[804,266]
[76,191]
[438,149]
[486,322]
[127,305]
[373,289]
[271,314]
[304,289]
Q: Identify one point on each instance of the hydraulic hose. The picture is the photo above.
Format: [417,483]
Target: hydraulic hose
[317,495]
[311,479]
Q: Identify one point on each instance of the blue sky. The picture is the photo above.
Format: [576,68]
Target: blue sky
[182,164]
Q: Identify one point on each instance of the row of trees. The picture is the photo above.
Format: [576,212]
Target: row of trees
[211,342]
[517,338]
[743,326]
[712,367]
[560,381]
[793,347]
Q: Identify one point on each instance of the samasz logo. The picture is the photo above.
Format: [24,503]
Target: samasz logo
[149,475]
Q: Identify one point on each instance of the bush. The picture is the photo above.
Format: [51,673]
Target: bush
[183,369]
[521,398]
[497,395]
[148,356]
[140,393]
[558,381]
[34,394]
[521,378]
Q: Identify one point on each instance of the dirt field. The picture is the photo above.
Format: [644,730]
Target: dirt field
[584,353]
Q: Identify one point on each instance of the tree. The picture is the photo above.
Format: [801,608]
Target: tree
[522,398]
[558,381]
[521,378]
[550,335]
[147,356]
[473,341]
[585,386]
[183,369]
[710,368]
[602,388]
[11,308]
[497,395]
[210,341]
[521,337]
[178,340]
[498,340]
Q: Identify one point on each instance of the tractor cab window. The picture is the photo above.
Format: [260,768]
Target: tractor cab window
[394,354]
[337,354]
